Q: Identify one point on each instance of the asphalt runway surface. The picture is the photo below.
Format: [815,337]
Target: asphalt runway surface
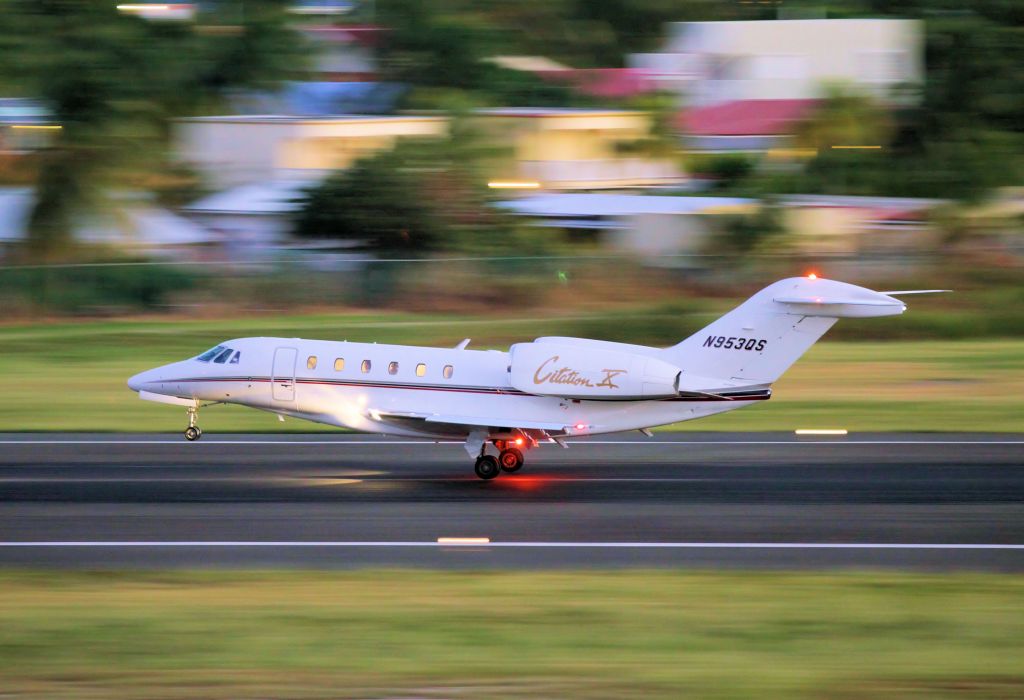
[696,500]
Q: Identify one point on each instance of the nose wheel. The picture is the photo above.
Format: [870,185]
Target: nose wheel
[193,432]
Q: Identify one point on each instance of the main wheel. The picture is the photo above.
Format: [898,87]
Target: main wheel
[193,433]
[486,467]
[511,460]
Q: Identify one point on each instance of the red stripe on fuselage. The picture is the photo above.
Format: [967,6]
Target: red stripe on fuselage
[761,396]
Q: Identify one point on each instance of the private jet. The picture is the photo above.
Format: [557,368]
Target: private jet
[550,390]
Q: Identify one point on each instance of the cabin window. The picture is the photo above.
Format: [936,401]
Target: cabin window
[448,371]
[311,362]
[235,358]
[210,354]
[392,368]
[421,369]
[366,366]
[339,364]
[223,356]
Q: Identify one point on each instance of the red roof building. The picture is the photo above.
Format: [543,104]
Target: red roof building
[746,118]
[612,83]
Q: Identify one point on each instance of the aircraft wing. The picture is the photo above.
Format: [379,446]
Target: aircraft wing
[482,422]
[449,423]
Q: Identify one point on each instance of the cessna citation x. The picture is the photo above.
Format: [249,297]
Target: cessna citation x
[549,390]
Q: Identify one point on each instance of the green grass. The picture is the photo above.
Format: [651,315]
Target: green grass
[511,635]
[71,376]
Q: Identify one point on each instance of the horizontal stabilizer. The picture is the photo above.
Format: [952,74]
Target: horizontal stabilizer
[863,303]
[916,291]
[834,301]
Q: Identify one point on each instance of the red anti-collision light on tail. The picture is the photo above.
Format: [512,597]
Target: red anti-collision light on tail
[812,276]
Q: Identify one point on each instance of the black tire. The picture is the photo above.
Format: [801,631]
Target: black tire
[486,467]
[511,460]
[192,433]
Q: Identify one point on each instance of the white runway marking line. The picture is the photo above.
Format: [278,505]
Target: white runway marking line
[344,480]
[462,541]
[511,545]
[224,442]
[572,443]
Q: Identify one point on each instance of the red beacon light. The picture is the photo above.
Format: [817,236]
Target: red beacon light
[580,426]
[519,442]
[812,276]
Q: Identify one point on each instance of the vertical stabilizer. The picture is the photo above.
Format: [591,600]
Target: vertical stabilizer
[761,338]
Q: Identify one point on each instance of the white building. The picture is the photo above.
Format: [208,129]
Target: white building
[135,225]
[238,150]
[251,219]
[714,62]
[555,148]
[652,227]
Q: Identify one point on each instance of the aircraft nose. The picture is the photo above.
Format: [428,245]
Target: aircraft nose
[138,382]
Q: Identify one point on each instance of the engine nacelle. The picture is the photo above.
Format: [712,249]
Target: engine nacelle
[581,372]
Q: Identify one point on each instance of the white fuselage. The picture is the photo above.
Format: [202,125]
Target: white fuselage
[549,389]
[370,387]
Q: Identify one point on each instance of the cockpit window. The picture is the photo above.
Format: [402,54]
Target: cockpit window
[235,358]
[211,353]
[223,356]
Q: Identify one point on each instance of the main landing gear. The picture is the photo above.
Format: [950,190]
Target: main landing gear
[192,432]
[510,459]
[486,467]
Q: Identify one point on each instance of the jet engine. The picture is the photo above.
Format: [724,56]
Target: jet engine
[585,372]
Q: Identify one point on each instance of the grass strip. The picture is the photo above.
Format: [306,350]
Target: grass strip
[651,634]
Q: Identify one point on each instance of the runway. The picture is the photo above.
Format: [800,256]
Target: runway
[922,501]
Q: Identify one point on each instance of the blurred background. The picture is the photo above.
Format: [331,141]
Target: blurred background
[423,171]
[426,170]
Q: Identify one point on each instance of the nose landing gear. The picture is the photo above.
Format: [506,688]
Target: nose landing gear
[192,432]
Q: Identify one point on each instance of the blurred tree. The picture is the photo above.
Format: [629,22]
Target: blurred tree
[746,232]
[423,196]
[438,45]
[961,136]
[114,81]
[378,202]
[662,139]
[844,118]
[725,171]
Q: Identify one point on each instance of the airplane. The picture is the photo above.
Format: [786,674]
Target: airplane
[549,390]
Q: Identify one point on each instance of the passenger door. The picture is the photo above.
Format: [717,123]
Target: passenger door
[282,380]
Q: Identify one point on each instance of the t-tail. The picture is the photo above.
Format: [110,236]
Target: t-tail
[761,338]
